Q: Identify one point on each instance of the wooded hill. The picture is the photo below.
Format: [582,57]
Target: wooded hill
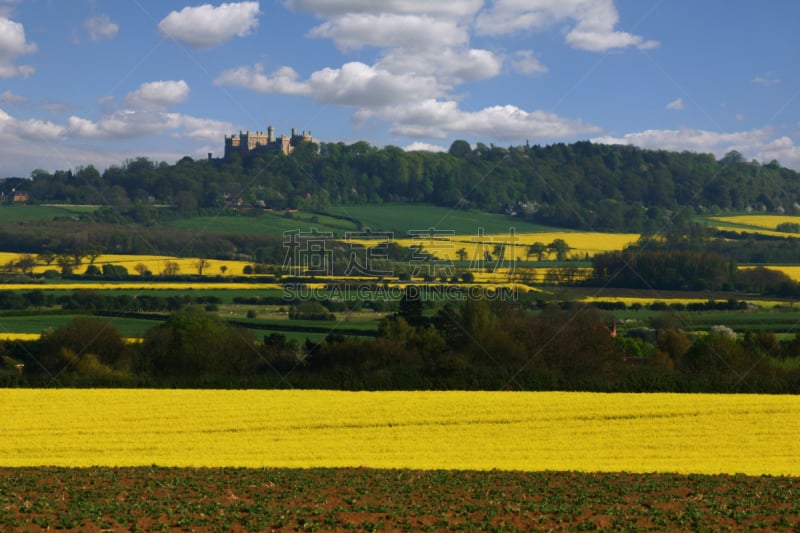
[581,185]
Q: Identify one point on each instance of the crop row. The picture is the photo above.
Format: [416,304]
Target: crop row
[159,499]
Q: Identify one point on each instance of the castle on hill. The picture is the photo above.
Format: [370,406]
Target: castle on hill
[246,143]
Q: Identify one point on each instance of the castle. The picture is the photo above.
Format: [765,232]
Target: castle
[246,143]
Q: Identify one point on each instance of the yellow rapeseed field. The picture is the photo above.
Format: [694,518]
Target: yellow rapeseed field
[760,221]
[687,433]
[154,263]
[582,243]
[762,224]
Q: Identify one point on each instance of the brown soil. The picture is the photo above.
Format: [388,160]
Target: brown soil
[165,499]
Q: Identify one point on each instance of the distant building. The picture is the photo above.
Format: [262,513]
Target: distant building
[21,197]
[246,143]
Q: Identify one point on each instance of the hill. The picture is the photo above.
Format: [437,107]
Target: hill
[581,185]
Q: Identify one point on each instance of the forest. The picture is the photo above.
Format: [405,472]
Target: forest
[580,185]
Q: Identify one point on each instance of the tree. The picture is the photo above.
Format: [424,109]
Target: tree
[25,263]
[560,248]
[141,269]
[83,336]
[66,264]
[462,254]
[201,265]
[410,308]
[171,268]
[539,249]
[195,343]
[460,148]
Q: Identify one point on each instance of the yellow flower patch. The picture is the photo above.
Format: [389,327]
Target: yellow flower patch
[536,431]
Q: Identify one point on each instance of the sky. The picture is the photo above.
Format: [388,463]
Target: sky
[98,82]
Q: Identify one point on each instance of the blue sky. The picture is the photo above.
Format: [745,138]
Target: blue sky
[100,81]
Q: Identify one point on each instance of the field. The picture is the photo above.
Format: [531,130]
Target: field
[161,499]
[426,461]
[709,434]
[401,218]
[763,224]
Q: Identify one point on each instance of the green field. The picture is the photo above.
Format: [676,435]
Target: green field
[27,213]
[129,327]
[266,223]
[401,218]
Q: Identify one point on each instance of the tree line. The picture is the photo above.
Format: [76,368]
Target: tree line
[461,346]
[581,185]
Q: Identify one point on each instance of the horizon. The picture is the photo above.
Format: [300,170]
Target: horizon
[97,82]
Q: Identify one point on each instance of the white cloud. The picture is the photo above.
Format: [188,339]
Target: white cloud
[354,84]
[206,26]
[8,97]
[450,67]
[158,94]
[30,129]
[441,119]
[100,27]
[360,85]
[204,129]
[766,80]
[595,21]
[676,104]
[12,44]
[424,147]
[526,62]
[355,30]
[760,144]
[282,81]
[332,8]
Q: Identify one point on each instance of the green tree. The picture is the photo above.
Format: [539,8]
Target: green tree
[560,248]
[195,343]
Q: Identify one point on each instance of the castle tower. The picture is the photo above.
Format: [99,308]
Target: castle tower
[271,134]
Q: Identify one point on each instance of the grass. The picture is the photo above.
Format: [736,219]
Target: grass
[27,213]
[129,327]
[266,223]
[401,218]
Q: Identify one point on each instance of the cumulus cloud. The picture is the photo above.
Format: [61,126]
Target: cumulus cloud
[13,43]
[332,8]
[158,94]
[676,104]
[594,20]
[760,144]
[354,84]
[282,81]
[424,147]
[31,129]
[355,30]
[450,67]
[100,28]
[440,119]
[145,111]
[206,26]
